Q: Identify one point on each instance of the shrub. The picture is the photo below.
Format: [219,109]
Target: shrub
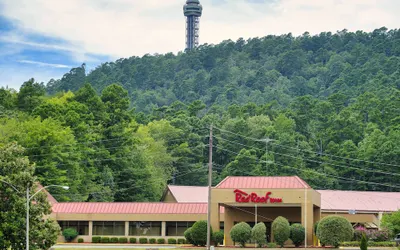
[80,240]
[188,236]
[218,238]
[114,240]
[241,233]
[297,234]
[370,243]
[152,241]
[378,236]
[364,242]
[392,222]
[358,232]
[281,230]
[123,240]
[161,241]
[258,234]
[181,241]
[199,233]
[143,240]
[69,234]
[96,239]
[132,240]
[315,227]
[171,241]
[105,240]
[271,245]
[333,229]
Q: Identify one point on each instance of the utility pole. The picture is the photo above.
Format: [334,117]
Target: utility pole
[266,140]
[209,188]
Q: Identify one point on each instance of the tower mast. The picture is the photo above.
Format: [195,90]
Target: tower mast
[192,11]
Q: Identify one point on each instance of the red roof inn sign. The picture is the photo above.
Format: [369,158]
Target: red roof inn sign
[243,197]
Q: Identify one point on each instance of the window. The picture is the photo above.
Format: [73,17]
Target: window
[108,228]
[149,228]
[178,228]
[82,227]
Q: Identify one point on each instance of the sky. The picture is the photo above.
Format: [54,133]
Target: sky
[44,39]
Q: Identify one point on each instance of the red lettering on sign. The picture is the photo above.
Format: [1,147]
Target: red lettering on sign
[243,197]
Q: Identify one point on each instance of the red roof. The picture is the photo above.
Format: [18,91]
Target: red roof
[270,182]
[337,200]
[129,208]
[189,193]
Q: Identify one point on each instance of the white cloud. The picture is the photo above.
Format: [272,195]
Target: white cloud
[52,65]
[122,28]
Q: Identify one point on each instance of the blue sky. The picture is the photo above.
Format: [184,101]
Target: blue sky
[43,39]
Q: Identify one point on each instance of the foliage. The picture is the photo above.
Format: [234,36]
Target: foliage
[161,241]
[332,230]
[69,234]
[18,171]
[80,240]
[152,241]
[241,233]
[171,241]
[364,242]
[181,241]
[96,239]
[392,222]
[218,238]
[123,240]
[132,240]
[271,245]
[143,240]
[188,236]
[297,234]
[281,230]
[113,240]
[198,233]
[259,234]
[105,239]
[370,243]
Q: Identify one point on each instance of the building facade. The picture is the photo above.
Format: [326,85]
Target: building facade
[235,199]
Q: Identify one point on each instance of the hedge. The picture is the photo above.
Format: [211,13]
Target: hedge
[152,241]
[333,229]
[258,234]
[281,230]
[181,241]
[241,233]
[297,234]
[114,240]
[143,240]
[105,240]
[370,243]
[132,240]
[123,240]
[96,239]
[80,240]
[69,234]
[171,241]
[161,241]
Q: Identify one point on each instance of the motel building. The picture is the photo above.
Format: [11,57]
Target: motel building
[233,200]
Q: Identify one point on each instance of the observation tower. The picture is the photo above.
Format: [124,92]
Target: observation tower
[192,11]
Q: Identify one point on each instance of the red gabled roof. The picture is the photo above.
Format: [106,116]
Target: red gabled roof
[189,193]
[129,208]
[270,182]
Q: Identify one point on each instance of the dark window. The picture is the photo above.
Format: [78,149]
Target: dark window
[108,228]
[178,228]
[150,228]
[82,227]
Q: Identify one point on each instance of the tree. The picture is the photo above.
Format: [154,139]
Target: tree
[30,95]
[392,222]
[297,234]
[18,171]
[199,233]
[259,234]
[364,242]
[69,234]
[333,229]
[281,230]
[241,233]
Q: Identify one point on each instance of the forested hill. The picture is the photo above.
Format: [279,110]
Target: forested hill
[259,70]
[325,108]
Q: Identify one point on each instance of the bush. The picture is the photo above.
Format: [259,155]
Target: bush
[315,227]
[96,239]
[171,241]
[132,240]
[123,240]
[199,233]
[364,242]
[80,240]
[218,238]
[181,241]
[161,241]
[370,243]
[241,233]
[114,240]
[105,240]
[271,245]
[333,229]
[281,230]
[152,241]
[378,236]
[143,240]
[188,236]
[69,234]
[297,234]
[259,234]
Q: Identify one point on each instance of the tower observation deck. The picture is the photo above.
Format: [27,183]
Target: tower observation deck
[192,11]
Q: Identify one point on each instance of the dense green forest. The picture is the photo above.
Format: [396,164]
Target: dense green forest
[323,107]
